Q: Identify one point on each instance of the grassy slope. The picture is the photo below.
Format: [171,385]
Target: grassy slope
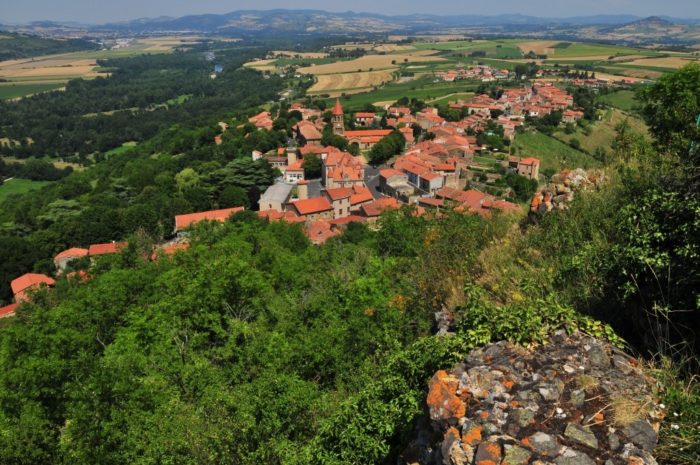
[624,100]
[19,186]
[603,131]
[553,153]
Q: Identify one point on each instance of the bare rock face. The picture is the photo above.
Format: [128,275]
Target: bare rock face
[574,401]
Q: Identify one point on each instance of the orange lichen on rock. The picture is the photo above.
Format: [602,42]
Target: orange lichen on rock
[473,436]
[488,453]
[508,384]
[442,401]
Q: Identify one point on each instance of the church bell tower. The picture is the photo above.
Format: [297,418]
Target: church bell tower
[337,119]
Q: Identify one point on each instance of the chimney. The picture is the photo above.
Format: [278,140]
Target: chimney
[291,155]
[303,190]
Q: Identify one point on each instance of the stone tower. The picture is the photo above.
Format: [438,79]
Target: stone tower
[337,120]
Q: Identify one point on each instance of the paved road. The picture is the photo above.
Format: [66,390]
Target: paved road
[314,188]
[372,181]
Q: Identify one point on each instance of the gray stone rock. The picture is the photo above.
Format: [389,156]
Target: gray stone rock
[641,434]
[515,455]
[460,454]
[598,357]
[622,363]
[577,397]
[581,435]
[572,457]
[613,442]
[523,417]
[544,444]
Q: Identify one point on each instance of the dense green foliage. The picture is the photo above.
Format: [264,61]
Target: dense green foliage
[179,170]
[255,347]
[131,104]
[252,347]
[391,145]
[13,46]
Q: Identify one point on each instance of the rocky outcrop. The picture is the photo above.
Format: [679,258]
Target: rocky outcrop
[560,191]
[574,401]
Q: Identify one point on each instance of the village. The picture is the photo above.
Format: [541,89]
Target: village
[440,168]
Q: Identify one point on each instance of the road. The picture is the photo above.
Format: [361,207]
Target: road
[372,181]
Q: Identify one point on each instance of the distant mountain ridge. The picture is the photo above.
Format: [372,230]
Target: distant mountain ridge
[310,21]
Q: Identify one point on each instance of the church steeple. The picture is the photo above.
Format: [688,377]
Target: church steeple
[337,119]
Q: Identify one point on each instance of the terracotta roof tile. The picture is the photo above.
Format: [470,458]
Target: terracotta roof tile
[311,206]
[72,253]
[187,220]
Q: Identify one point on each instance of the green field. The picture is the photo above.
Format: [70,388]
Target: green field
[622,99]
[492,48]
[422,88]
[19,186]
[12,90]
[553,153]
[581,49]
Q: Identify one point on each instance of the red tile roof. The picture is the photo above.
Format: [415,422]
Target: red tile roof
[185,221]
[339,193]
[104,249]
[431,202]
[389,172]
[276,215]
[364,114]
[311,206]
[378,206]
[308,130]
[80,276]
[72,253]
[320,231]
[430,176]
[27,282]
[361,194]
[8,310]
[530,161]
[472,198]
[367,133]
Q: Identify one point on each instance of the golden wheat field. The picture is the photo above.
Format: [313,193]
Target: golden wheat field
[540,47]
[327,83]
[304,55]
[56,66]
[666,62]
[168,43]
[371,63]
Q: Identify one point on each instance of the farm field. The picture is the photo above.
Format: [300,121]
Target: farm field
[304,55]
[669,63]
[15,90]
[32,75]
[19,186]
[422,88]
[554,154]
[334,83]
[373,62]
[581,49]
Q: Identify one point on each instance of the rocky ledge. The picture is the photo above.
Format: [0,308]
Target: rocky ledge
[574,401]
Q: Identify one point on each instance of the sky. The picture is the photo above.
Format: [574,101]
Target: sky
[102,11]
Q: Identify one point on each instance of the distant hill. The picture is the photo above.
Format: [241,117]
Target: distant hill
[628,29]
[13,46]
[317,21]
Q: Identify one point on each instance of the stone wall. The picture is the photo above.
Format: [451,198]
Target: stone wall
[574,401]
